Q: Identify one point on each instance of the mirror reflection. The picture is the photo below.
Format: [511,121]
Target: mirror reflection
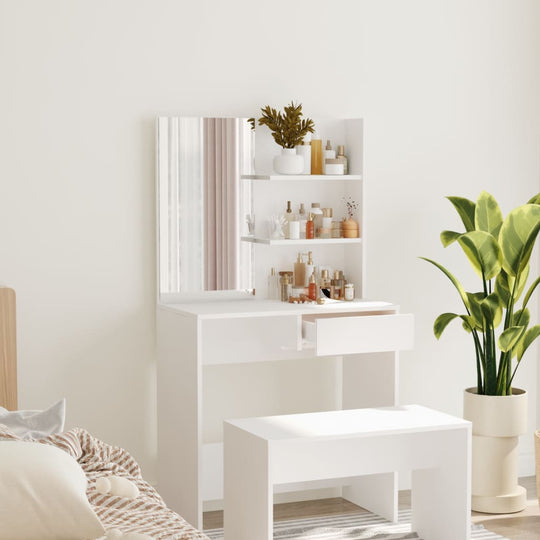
[200,204]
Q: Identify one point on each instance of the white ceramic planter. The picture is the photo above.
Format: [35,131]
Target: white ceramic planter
[289,162]
[497,423]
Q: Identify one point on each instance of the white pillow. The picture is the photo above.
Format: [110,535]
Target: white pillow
[43,495]
[35,424]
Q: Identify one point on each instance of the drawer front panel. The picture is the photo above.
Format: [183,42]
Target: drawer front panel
[363,334]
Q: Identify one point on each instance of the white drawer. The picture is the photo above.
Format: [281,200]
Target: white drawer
[358,334]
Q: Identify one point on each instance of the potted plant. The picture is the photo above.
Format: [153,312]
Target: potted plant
[499,251]
[288,130]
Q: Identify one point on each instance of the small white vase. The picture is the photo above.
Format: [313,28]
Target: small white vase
[497,423]
[289,162]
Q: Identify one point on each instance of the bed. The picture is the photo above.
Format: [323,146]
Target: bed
[69,484]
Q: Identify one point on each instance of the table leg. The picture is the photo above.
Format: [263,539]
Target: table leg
[441,496]
[248,505]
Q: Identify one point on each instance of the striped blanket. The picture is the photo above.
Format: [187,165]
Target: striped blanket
[147,514]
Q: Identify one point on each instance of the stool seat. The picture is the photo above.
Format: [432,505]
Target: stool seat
[260,453]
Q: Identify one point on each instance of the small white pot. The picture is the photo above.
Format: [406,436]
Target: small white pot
[497,423]
[289,162]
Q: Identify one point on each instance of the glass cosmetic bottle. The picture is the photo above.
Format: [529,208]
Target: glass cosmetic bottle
[312,288]
[299,272]
[342,158]
[310,268]
[285,286]
[302,218]
[289,216]
[324,283]
[273,285]
[310,228]
[317,218]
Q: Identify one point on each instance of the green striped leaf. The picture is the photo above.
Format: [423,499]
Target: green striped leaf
[449,237]
[483,252]
[466,209]
[510,337]
[443,320]
[488,216]
[528,337]
[517,237]
[492,309]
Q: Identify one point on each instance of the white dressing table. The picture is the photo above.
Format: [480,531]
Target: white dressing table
[221,357]
[362,336]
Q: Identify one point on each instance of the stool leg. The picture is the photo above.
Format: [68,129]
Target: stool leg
[376,493]
[441,496]
[248,493]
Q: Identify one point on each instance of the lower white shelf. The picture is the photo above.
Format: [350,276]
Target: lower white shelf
[212,477]
[300,241]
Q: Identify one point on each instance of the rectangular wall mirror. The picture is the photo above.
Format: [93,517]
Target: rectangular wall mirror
[200,201]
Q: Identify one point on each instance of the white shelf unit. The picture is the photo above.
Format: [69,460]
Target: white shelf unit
[301,177]
[268,194]
[224,359]
[300,241]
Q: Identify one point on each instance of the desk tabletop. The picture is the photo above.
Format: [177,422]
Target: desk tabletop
[268,308]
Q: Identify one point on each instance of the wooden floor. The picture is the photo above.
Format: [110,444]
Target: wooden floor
[523,525]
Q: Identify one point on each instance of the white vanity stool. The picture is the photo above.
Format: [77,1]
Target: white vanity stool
[263,452]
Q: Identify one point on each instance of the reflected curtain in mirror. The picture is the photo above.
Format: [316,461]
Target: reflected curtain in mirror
[200,161]
[221,203]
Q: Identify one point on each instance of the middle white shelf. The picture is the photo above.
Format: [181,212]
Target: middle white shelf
[300,241]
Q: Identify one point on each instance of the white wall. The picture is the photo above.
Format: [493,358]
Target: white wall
[449,91]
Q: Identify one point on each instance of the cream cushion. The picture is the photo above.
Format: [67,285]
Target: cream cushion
[43,495]
[35,424]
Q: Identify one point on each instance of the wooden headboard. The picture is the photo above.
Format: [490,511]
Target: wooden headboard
[8,349]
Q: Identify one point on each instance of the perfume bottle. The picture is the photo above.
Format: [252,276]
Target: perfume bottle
[317,217]
[310,268]
[289,216]
[342,158]
[336,286]
[312,288]
[328,153]
[302,218]
[324,283]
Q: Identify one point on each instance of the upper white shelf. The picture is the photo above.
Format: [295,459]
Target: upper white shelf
[304,177]
[300,241]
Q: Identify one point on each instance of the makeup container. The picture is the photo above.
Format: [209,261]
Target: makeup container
[294,230]
[304,150]
[316,155]
[333,166]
